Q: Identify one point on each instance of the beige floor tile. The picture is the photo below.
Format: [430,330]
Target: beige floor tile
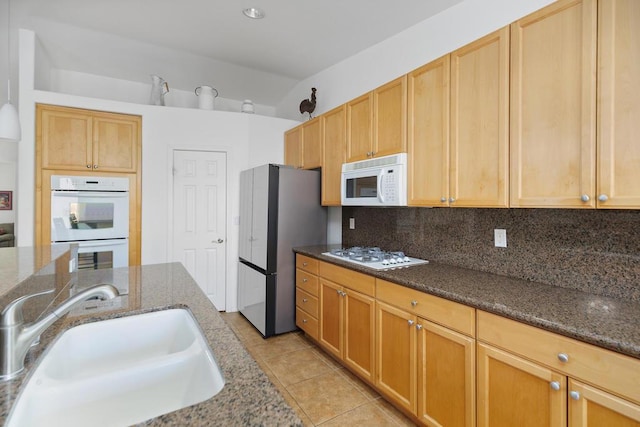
[395,414]
[360,385]
[326,358]
[324,397]
[365,415]
[296,366]
[277,345]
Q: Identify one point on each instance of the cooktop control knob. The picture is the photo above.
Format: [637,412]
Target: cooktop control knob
[407,259]
[385,262]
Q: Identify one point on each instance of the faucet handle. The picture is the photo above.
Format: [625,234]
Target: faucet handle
[12,313]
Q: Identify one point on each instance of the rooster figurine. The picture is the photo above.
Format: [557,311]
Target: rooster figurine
[308,105]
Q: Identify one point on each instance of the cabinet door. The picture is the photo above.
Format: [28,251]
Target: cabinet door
[446,376]
[515,392]
[293,147]
[479,147]
[428,139]
[311,144]
[618,104]
[396,355]
[553,69]
[359,338]
[66,138]
[334,142]
[331,317]
[116,141]
[390,118]
[359,124]
[589,406]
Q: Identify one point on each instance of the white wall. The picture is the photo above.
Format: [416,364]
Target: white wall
[248,140]
[406,51]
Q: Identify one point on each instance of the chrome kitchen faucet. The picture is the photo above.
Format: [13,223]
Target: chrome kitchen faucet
[16,338]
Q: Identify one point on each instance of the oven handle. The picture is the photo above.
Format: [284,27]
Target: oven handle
[111,194]
[98,243]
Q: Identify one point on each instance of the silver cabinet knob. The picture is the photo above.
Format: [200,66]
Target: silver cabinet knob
[95,166]
[304,300]
[217,241]
[304,320]
[443,199]
[603,197]
[88,166]
[305,280]
[419,327]
[563,357]
[575,395]
[304,264]
[338,291]
[555,385]
[410,322]
[451,199]
[414,303]
[585,198]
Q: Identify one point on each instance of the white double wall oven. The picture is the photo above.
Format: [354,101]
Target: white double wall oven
[94,213]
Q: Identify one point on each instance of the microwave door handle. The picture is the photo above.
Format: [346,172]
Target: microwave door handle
[381,178]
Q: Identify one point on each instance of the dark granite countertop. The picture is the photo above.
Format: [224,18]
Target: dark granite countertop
[248,397]
[610,323]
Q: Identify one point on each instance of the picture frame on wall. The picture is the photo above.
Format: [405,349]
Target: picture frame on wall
[6,200]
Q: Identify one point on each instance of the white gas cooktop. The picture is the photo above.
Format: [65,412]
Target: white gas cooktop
[375,258]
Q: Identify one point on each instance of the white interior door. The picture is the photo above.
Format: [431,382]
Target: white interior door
[199,219]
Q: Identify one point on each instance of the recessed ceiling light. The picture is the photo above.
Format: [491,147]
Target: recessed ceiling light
[253,13]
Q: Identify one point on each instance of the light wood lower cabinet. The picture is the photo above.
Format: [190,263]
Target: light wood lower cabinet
[424,368]
[307,304]
[531,377]
[347,327]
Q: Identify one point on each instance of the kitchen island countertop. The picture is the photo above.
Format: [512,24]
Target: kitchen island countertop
[606,322]
[248,397]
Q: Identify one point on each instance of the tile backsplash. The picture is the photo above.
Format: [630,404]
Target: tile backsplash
[596,251]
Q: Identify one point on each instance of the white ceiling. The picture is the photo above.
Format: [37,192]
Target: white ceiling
[194,42]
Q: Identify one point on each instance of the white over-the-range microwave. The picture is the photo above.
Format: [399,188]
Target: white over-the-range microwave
[380,181]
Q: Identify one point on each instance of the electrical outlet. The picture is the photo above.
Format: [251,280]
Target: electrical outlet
[500,237]
[352,223]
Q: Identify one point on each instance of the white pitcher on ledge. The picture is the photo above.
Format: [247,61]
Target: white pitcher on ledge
[159,88]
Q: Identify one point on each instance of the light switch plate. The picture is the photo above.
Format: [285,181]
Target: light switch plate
[500,237]
[352,223]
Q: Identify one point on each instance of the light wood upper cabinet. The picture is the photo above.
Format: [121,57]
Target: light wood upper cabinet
[428,134]
[359,127]
[390,118]
[311,144]
[618,104]
[293,147]
[75,139]
[553,106]
[334,145]
[479,141]
[377,122]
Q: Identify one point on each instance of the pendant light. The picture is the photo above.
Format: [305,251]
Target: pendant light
[9,121]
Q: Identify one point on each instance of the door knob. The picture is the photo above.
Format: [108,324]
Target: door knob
[217,241]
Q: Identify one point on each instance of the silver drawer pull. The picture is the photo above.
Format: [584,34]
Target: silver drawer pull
[304,300]
[304,320]
[555,385]
[575,395]
[414,303]
[563,357]
[305,280]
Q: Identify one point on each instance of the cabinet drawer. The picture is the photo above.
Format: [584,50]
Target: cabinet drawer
[447,313]
[307,282]
[362,283]
[307,323]
[307,264]
[307,302]
[606,369]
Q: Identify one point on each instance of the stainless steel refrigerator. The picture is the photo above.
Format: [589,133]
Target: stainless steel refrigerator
[279,209]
